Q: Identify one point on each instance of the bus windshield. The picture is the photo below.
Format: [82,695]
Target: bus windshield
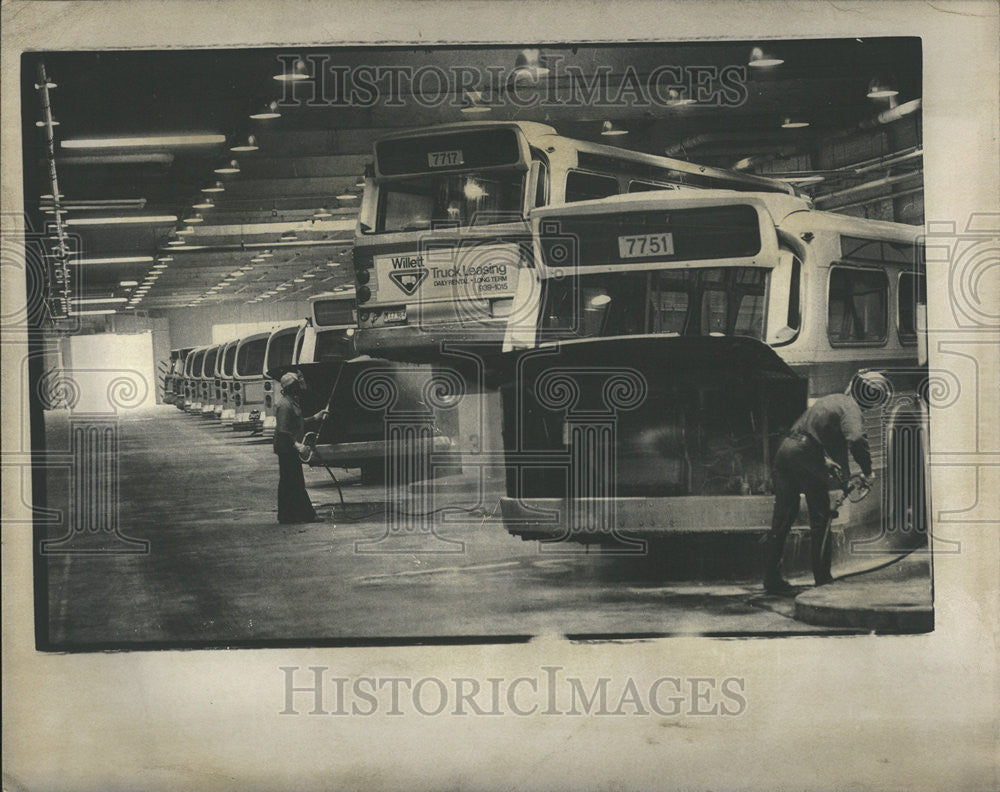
[700,301]
[280,349]
[250,358]
[462,199]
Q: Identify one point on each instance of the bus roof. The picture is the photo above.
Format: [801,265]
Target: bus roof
[347,294]
[537,134]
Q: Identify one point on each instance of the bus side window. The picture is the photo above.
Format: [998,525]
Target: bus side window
[911,290]
[857,310]
[642,186]
[583,186]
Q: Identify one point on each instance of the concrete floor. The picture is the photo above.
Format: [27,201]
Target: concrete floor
[221,571]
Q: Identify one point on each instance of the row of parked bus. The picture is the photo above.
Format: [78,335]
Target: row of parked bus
[235,381]
[640,332]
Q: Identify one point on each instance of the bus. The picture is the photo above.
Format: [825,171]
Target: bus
[169,376]
[177,377]
[226,379]
[248,382]
[279,355]
[207,381]
[667,343]
[192,380]
[356,435]
[442,233]
[329,332]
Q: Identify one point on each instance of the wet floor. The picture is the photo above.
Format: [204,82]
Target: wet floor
[220,570]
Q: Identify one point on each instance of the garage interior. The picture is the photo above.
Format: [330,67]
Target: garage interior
[180,198]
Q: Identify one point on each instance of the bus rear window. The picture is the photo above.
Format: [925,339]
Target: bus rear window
[228,360]
[280,349]
[334,313]
[250,358]
[701,301]
[332,345]
[458,199]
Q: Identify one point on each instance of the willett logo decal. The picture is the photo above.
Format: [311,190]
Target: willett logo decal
[408,273]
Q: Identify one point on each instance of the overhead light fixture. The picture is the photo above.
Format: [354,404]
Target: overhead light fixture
[346,196]
[50,196]
[333,263]
[98,300]
[118,260]
[228,168]
[299,71]
[258,259]
[128,283]
[195,218]
[793,123]
[528,67]
[270,110]
[250,144]
[185,230]
[52,122]
[215,187]
[298,280]
[360,183]
[322,214]
[472,102]
[161,259]
[98,312]
[880,90]
[204,203]
[47,84]
[177,242]
[676,99]
[265,254]
[157,141]
[763,60]
[289,236]
[132,219]
[610,129]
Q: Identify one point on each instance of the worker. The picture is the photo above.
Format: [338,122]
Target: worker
[816,447]
[294,505]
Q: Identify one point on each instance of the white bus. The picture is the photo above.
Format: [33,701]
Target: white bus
[248,382]
[279,356]
[442,231]
[192,380]
[665,344]
[227,364]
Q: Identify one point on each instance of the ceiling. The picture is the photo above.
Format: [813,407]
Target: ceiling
[317,149]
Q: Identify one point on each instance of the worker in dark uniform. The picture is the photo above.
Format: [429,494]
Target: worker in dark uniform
[294,505]
[816,446]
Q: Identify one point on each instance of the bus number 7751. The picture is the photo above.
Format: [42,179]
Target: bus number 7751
[646,245]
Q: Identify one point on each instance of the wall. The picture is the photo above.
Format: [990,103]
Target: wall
[193,326]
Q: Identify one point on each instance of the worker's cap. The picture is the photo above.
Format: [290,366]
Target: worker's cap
[290,379]
[870,389]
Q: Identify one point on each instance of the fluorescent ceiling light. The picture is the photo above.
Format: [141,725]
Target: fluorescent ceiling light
[94,313]
[78,221]
[129,283]
[120,260]
[138,142]
[98,300]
